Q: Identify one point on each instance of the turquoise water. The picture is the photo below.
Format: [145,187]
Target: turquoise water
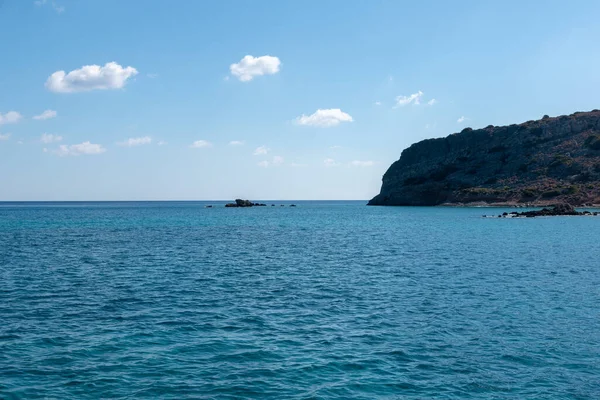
[328,300]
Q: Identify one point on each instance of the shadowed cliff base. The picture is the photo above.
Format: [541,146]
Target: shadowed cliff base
[536,163]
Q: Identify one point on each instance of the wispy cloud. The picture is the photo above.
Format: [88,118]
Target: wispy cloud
[261,150]
[162,143]
[50,138]
[90,77]
[461,120]
[11,117]
[236,143]
[278,160]
[336,147]
[85,148]
[358,163]
[432,102]
[263,164]
[4,136]
[55,6]
[152,76]
[324,118]
[414,98]
[250,67]
[199,144]
[330,162]
[377,103]
[46,115]
[132,142]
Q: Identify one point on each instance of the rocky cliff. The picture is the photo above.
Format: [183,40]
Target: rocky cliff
[555,159]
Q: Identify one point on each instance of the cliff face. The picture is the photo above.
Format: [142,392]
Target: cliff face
[541,162]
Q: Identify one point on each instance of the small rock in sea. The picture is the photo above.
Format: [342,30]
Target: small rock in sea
[292,205]
[209,206]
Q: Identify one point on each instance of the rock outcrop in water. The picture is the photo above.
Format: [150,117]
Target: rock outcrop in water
[543,162]
[244,203]
[558,210]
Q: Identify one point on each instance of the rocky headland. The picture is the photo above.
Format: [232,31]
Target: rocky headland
[553,160]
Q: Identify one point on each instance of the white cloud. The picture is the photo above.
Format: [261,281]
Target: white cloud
[236,143]
[377,103]
[357,163]
[131,142]
[49,138]
[260,151]
[277,160]
[263,164]
[335,147]
[461,119]
[414,98]
[161,143]
[249,67]
[4,136]
[90,77]
[330,162]
[19,142]
[11,117]
[59,9]
[198,144]
[46,115]
[80,149]
[432,102]
[324,118]
[152,76]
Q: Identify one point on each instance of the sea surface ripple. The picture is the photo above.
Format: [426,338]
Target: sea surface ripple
[327,300]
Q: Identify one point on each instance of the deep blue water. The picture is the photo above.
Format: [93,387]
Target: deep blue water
[328,300]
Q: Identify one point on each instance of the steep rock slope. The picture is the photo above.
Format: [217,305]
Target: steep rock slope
[537,162]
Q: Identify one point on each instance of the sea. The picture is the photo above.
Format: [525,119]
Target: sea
[325,300]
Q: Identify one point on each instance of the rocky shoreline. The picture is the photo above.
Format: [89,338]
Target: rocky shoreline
[557,210]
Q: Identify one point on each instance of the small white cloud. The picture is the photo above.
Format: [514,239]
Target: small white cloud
[324,118]
[377,103]
[199,144]
[50,138]
[19,142]
[4,136]
[260,151]
[152,76]
[11,117]
[263,164]
[131,142]
[46,115]
[330,162]
[79,149]
[336,147]
[414,98]
[277,160]
[162,143]
[357,163]
[236,143]
[432,102]
[249,67]
[90,77]
[59,9]
[461,119]
[45,150]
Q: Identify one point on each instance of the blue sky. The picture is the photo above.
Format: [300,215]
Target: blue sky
[171,89]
